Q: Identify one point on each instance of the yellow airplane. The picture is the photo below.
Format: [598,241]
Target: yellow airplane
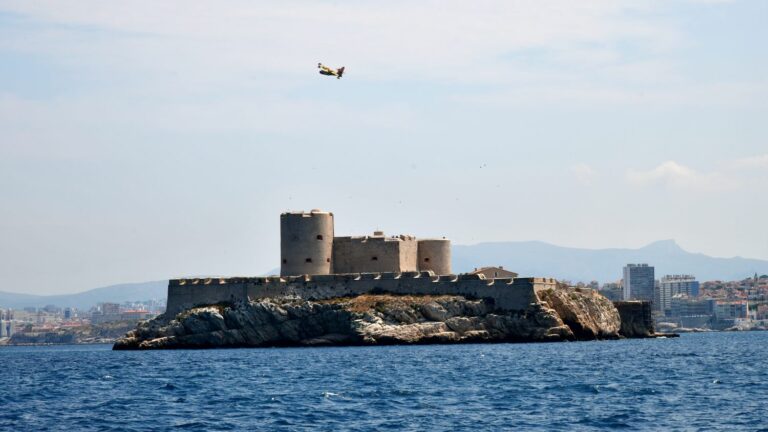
[325,70]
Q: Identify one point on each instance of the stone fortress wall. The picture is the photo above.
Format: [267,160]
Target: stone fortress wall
[316,265]
[376,253]
[506,294]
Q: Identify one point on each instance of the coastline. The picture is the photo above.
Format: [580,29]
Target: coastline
[385,319]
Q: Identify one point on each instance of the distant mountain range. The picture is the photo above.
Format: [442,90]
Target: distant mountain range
[114,293]
[535,258]
[531,258]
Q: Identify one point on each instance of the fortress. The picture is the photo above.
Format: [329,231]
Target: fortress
[377,290]
[317,265]
[308,246]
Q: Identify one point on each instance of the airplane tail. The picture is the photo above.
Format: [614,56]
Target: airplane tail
[341,71]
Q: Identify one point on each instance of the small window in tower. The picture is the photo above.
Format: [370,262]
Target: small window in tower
[308,260]
[319,236]
[374,258]
[285,261]
[426,259]
[327,260]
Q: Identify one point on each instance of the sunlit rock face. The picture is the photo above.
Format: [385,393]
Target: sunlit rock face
[560,315]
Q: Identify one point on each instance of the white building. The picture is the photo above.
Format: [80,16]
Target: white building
[672,285]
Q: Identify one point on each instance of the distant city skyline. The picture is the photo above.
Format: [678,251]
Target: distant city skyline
[146,141]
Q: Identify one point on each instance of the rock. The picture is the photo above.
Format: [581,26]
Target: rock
[462,324]
[434,311]
[85,334]
[588,314]
[378,320]
[636,321]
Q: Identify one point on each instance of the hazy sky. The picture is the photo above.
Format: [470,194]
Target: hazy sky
[144,140]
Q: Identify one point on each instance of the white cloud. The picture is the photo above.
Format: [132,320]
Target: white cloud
[728,175]
[451,41]
[583,173]
[245,65]
[518,52]
[757,161]
[668,172]
[677,176]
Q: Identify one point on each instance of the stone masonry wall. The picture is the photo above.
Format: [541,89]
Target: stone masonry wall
[636,318]
[507,294]
[374,254]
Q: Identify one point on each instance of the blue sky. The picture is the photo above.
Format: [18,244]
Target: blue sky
[143,141]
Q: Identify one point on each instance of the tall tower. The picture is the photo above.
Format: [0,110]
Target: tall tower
[435,255]
[639,282]
[306,243]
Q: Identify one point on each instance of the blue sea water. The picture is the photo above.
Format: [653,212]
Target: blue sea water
[715,381]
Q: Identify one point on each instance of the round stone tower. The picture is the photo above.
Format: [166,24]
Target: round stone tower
[435,255]
[306,243]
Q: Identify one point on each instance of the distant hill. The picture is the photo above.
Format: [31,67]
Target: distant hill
[127,292]
[84,300]
[534,258]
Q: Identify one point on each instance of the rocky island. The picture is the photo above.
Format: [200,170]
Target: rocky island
[377,290]
[382,319]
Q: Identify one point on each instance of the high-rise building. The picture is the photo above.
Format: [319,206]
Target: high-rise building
[682,284]
[683,305]
[691,311]
[639,280]
[662,298]
[106,312]
[672,285]
[730,309]
[110,308]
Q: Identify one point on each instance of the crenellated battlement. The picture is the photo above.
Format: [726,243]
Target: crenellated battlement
[347,277]
[512,294]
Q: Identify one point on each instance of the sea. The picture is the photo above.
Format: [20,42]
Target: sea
[698,382]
